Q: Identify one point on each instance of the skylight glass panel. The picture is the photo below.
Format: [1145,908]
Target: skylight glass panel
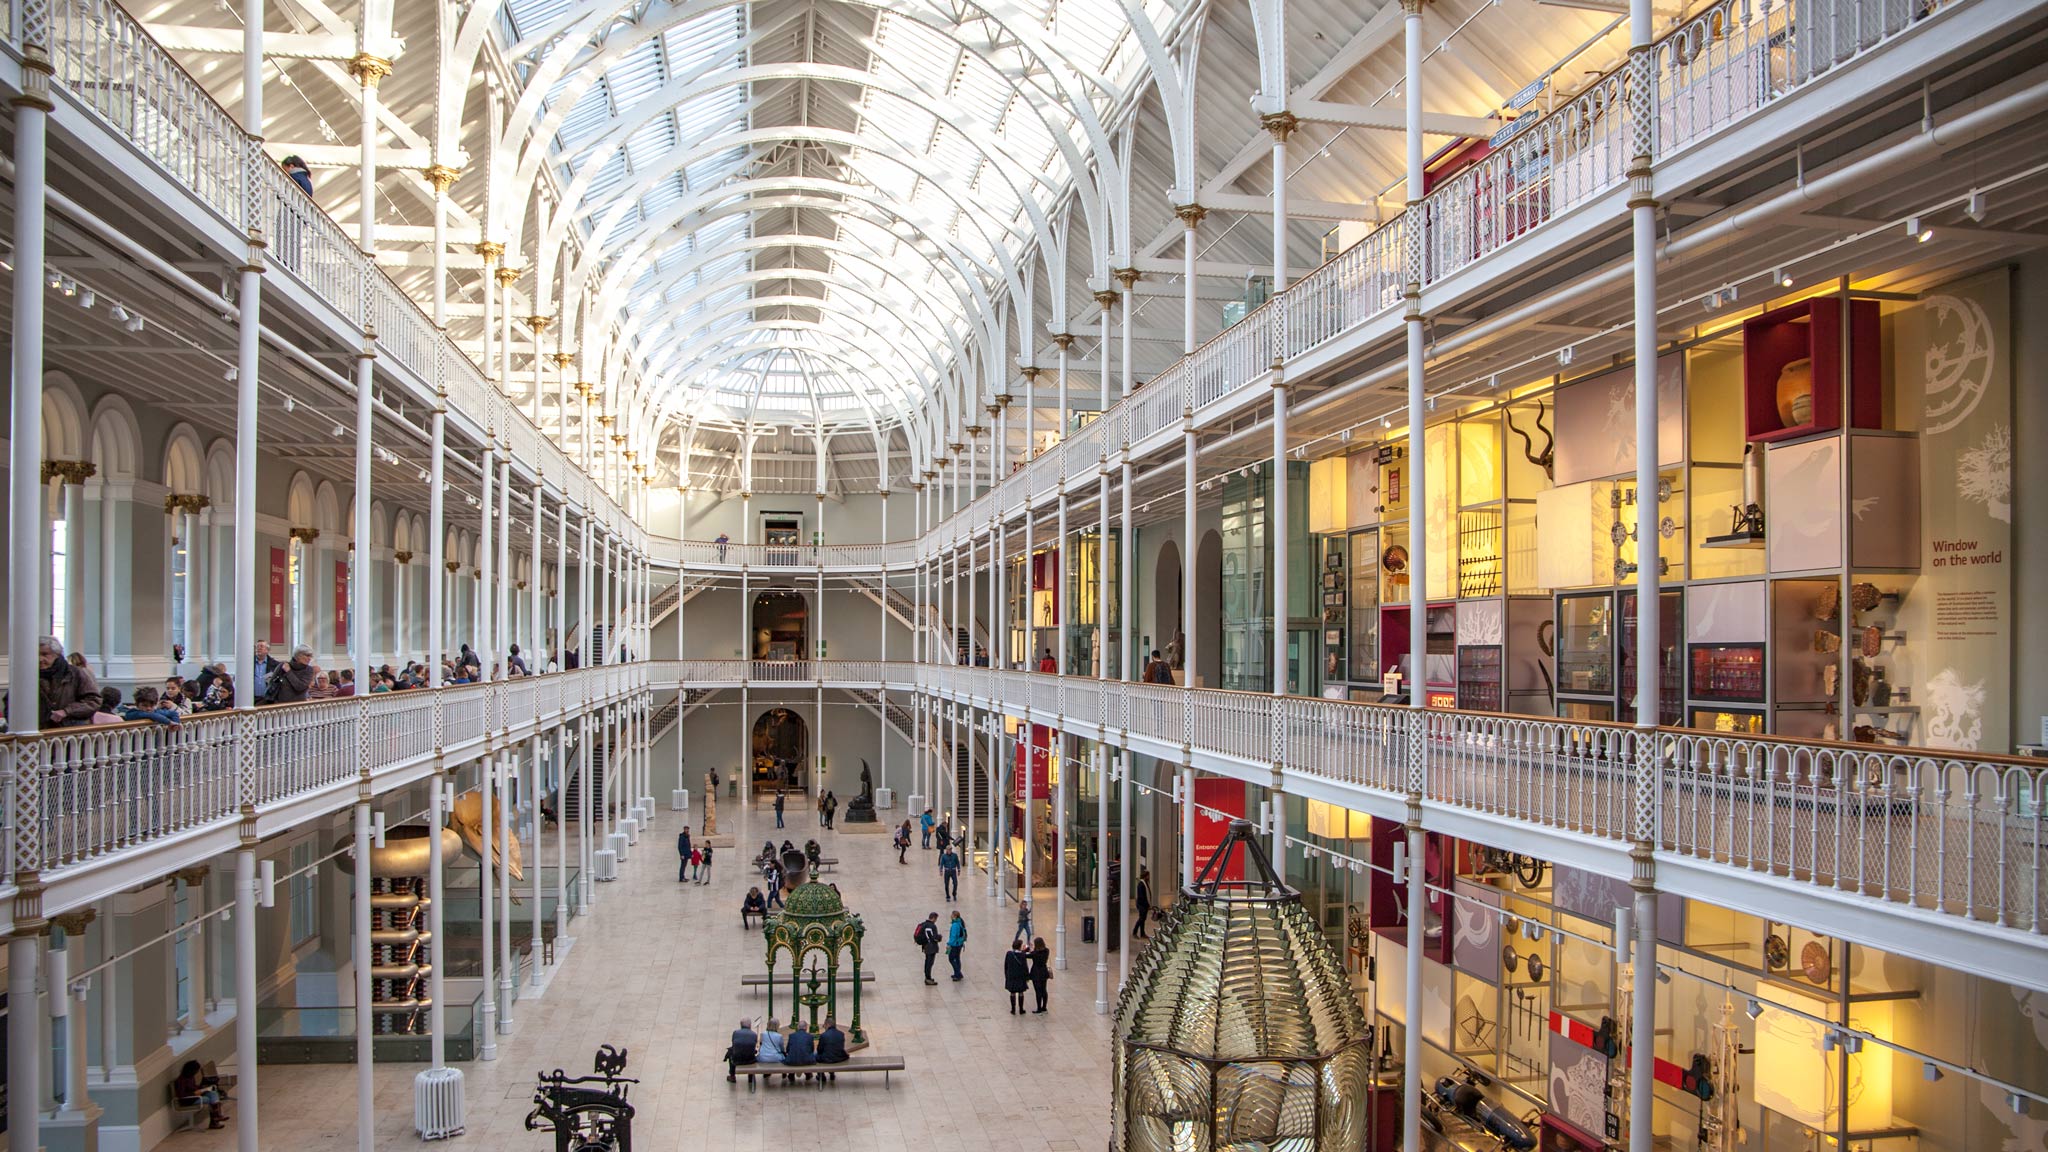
[530,17]
[635,76]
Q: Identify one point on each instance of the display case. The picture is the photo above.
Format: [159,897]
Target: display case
[1671,665]
[1737,721]
[1730,673]
[1479,677]
[1585,645]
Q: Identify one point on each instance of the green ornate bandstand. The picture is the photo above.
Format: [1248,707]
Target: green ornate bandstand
[814,920]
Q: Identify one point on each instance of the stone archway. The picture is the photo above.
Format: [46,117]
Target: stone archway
[779,751]
[1167,584]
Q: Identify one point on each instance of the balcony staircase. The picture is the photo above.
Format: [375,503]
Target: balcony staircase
[682,704]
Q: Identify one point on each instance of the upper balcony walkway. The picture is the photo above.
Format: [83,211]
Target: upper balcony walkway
[97,810]
[1933,854]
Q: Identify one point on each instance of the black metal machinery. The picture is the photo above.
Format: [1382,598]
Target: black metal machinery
[584,1116]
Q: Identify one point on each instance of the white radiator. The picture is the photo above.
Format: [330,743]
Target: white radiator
[630,829]
[437,1103]
[645,810]
[885,798]
[679,800]
[604,865]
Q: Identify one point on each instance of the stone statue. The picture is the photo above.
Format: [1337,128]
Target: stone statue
[711,802]
[861,809]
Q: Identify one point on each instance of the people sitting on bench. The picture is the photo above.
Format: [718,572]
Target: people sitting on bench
[811,853]
[743,1049]
[774,1047]
[753,907]
[767,857]
[194,1087]
[831,1047]
[800,1051]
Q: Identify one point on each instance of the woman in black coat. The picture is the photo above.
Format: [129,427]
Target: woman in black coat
[1040,972]
[1016,974]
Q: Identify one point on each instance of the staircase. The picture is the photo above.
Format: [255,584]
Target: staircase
[972,784]
[896,603]
[669,597]
[896,716]
[684,703]
[572,791]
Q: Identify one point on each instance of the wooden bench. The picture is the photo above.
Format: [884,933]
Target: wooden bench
[853,1066]
[763,980]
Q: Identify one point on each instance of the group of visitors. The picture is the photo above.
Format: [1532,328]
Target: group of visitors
[693,861]
[796,1049]
[71,694]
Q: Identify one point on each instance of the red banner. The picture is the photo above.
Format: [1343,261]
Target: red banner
[278,561]
[1218,800]
[340,604]
[1034,763]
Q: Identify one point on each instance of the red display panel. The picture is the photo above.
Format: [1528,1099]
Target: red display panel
[340,604]
[278,563]
[1218,800]
[1034,763]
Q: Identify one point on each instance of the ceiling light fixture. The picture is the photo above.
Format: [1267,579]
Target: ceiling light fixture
[87,298]
[118,313]
[1781,277]
[1930,1072]
[135,322]
[1753,1009]
[1974,206]
[339,431]
[1918,232]
[290,404]
[1564,355]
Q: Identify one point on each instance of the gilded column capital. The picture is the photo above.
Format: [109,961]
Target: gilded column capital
[508,276]
[69,471]
[1283,124]
[490,250]
[441,176]
[1190,214]
[192,502]
[1126,277]
[369,70]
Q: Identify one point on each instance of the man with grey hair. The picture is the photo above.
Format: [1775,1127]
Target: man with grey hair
[64,699]
[290,682]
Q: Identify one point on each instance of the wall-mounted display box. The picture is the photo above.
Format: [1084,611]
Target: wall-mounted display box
[1792,369]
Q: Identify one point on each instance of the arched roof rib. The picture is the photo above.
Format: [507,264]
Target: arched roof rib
[696,205]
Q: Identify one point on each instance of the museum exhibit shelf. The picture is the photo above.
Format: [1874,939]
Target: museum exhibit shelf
[1792,369]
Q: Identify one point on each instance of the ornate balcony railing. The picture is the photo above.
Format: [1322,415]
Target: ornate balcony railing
[76,795]
[1948,832]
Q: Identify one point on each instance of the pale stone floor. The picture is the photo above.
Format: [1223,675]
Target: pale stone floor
[656,969]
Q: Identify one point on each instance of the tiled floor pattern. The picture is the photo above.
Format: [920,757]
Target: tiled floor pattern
[656,970]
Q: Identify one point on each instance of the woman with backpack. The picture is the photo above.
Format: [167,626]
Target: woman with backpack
[903,843]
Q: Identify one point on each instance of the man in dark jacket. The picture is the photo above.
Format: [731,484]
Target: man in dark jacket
[63,699]
[801,1051]
[745,1045]
[265,662]
[928,939]
[683,851]
[290,682]
[831,1046]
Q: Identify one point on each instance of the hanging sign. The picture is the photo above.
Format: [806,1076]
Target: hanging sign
[1034,756]
[277,578]
[1218,801]
[341,604]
